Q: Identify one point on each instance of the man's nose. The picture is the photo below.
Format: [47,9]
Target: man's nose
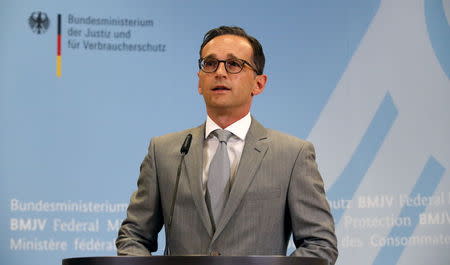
[221,69]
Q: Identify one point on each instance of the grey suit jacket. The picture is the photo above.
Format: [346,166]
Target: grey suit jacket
[276,191]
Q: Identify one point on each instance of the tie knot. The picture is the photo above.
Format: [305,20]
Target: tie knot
[222,135]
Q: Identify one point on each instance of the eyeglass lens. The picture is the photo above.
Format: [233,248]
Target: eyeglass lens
[232,66]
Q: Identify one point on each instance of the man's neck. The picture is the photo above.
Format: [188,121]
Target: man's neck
[225,120]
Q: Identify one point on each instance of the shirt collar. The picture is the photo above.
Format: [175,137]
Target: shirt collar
[238,128]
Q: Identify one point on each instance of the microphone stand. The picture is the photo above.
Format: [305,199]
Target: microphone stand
[184,150]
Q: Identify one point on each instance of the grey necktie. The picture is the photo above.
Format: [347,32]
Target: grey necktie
[218,187]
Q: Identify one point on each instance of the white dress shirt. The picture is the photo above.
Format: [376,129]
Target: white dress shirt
[235,144]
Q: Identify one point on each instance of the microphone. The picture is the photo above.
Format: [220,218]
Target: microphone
[183,151]
[186,145]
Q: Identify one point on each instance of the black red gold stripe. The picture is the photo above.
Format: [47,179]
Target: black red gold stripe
[58,49]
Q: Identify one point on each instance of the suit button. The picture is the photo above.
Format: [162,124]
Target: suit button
[215,253]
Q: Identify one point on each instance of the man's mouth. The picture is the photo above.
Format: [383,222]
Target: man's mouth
[217,88]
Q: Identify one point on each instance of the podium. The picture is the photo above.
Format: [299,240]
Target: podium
[195,260]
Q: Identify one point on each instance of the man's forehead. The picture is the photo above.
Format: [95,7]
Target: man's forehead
[231,46]
[228,56]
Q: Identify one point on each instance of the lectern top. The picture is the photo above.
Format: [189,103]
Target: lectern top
[195,260]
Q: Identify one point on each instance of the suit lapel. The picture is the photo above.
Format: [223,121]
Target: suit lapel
[255,147]
[193,163]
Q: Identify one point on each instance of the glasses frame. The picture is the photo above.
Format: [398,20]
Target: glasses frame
[244,62]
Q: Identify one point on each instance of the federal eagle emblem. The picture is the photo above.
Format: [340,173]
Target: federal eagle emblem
[39,22]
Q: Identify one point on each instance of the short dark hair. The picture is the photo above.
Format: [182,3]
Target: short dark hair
[258,53]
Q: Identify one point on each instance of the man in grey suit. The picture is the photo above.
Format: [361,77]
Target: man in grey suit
[273,188]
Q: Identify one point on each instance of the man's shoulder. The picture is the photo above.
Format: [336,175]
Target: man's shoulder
[283,143]
[170,143]
[277,137]
[275,134]
[176,136]
[282,137]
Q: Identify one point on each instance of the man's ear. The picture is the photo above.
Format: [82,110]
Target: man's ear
[200,90]
[260,84]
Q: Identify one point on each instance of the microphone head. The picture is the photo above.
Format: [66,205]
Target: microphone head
[186,144]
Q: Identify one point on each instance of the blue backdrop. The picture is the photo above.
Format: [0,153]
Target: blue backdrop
[366,81]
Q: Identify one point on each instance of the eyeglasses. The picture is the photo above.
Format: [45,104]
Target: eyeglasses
[232,66]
